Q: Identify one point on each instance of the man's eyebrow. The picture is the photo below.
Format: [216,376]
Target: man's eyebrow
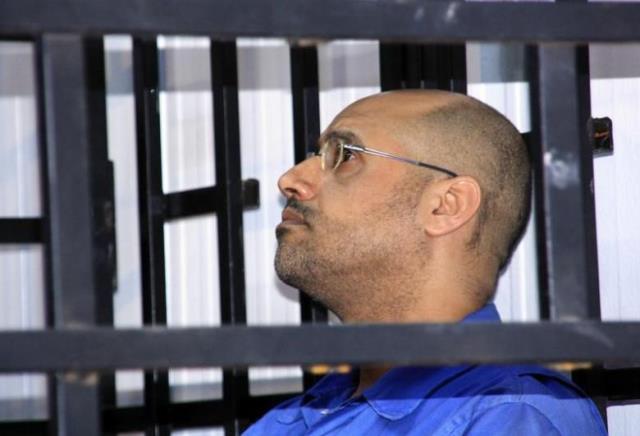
[344,135]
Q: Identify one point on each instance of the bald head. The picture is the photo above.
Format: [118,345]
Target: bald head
[377,239]
[472,139]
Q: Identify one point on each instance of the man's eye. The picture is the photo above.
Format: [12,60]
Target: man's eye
[348,154]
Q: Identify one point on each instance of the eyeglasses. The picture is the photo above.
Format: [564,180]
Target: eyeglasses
[334,153]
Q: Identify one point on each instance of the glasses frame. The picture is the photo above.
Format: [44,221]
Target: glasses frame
[374,152]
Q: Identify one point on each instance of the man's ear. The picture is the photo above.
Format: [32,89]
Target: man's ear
[450,204]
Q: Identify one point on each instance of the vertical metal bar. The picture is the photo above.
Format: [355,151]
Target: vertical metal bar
[65,102]
[224,84]
[453,59]
[423,66]
[103,192]
[49,298]
[392,72]
[306,100]
[150,197]
[306,130]
[584,90]
[565,171]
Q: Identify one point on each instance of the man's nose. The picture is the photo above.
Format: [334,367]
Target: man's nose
[301,182]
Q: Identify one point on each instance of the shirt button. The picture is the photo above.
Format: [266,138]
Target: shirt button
[325,411]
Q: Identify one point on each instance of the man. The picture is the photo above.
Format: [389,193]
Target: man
[408,212]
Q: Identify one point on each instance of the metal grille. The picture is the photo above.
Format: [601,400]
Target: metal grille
[421,46]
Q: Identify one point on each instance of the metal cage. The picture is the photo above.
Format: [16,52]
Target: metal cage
[421,46]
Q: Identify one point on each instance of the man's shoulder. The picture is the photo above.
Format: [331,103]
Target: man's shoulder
[521,383]
[450,401]
[497,399]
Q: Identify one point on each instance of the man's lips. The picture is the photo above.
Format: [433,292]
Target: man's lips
[290,216]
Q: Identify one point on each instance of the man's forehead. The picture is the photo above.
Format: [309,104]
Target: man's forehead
[366,124]
[365,116]
[352,128]
[386,117]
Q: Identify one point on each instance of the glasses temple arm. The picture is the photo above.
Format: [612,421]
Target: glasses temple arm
[398,158]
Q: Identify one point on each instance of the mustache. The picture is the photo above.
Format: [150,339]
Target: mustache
[304,210]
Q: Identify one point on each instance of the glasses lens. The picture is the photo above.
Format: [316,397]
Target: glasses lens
[331,153]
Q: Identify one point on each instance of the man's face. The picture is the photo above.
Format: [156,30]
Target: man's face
[343,230]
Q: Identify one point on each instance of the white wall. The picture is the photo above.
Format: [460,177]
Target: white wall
[615,92]
[495,75]
[348,71]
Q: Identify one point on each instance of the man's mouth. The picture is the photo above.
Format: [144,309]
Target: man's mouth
[291,217]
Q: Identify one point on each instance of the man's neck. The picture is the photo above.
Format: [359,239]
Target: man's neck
[369,375]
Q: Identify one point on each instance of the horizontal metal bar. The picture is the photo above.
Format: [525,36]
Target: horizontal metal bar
[183,415]
[191,203]
[617,385]
[202,201]
[192,414]
[20,230]
[444,21]
[230,346]
[34,427]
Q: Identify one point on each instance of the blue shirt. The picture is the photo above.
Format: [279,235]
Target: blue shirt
[484,400]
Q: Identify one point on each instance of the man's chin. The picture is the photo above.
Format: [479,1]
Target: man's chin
[288,268]
[291,279]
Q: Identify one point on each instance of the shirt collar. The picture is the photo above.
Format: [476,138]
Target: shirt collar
[398,392]
[329,391]
[401,390]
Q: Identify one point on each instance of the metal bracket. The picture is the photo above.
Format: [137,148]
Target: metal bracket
[600,134]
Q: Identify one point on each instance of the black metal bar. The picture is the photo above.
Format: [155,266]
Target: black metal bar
[103,195]
[306,100]
[224,84]
[538,191]
[565,172]
[150,197]
[583,84]
[617,385]
[392,61]
[585,162]
[192,414]
[425,66]
[20,230]
[453,73]
[442,21]
[306,130]
[206,200]
[103,349]
[49,298]
[25,428]
[65,95]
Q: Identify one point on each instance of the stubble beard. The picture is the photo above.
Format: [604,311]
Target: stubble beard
[348,266]
[304,265]
[292,262]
